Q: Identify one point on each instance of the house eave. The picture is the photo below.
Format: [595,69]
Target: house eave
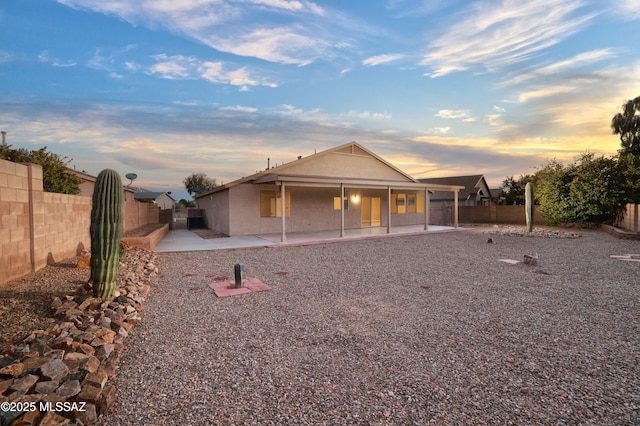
[320,181]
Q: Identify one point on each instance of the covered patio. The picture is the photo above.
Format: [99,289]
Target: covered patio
[355,187]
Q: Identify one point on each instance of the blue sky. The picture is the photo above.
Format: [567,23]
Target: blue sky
[166,88]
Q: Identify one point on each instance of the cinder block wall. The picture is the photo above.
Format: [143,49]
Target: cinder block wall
[39,228]
[443,215]
[61,227]
[631,220]
[36,227]
[496,214]
[15,230]
[138,214]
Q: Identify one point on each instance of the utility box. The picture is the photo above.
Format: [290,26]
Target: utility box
[238,270]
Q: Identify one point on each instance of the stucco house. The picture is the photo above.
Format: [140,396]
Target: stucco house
[164,200]
[475,191]
[88,183]
[346,187]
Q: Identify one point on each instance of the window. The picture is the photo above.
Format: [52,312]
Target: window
[336,203]
[411,203]
[407,203]
[401,203]
[271,204]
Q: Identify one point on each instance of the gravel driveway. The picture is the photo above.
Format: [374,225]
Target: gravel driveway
[429,329]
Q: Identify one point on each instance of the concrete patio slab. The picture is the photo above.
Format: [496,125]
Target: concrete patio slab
[178,240]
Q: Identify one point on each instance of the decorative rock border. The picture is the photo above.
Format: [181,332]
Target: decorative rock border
[621,233]
[61,375]
[521,231]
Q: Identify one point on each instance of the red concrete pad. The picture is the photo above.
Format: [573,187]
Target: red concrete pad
[228,288]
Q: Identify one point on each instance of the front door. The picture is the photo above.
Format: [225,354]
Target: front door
[371,211]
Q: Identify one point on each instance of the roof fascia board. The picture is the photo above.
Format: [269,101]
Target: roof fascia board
[354,183]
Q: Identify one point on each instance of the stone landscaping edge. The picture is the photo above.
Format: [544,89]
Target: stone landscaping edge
[62,375]
[620,233]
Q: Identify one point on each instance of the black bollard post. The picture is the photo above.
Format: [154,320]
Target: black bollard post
[238,270]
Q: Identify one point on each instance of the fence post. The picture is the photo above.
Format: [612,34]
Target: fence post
[32,222]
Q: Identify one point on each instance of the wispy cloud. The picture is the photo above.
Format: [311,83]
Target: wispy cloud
[494,35]
[108,60]
[292,44]
[464,115]
[238,108]
[382,59]
[46,57]
[368,115]
[440,130]
[546,91]
[5,56]
[573,63]
[288,31]
[628,9]
[179,67]
[291,5]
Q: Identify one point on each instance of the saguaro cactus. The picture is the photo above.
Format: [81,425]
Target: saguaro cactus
[106,230]
[528,206]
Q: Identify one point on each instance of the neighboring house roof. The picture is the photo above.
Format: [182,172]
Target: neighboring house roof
[85,177]
[495,192]
[150,196]
[472,184]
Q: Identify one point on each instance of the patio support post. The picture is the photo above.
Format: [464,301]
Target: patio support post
[282,211]
[455,209]
[426,209]
[341,210]
[388,209]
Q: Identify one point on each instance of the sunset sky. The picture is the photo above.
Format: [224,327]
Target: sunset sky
[167,88]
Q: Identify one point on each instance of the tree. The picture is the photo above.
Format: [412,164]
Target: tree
[552,193]
[56,176]
[514,189]
[589,191]
[627,125]
[629,165]
[198,183]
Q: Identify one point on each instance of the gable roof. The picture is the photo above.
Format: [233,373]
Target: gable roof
[471,183]
[313,169]
[150,195]
[85,177]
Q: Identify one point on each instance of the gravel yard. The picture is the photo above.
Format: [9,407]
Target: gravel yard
[429,329]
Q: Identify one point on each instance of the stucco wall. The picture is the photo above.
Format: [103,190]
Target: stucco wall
[337,164]
[311,210]
[236,211]
[216,211]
